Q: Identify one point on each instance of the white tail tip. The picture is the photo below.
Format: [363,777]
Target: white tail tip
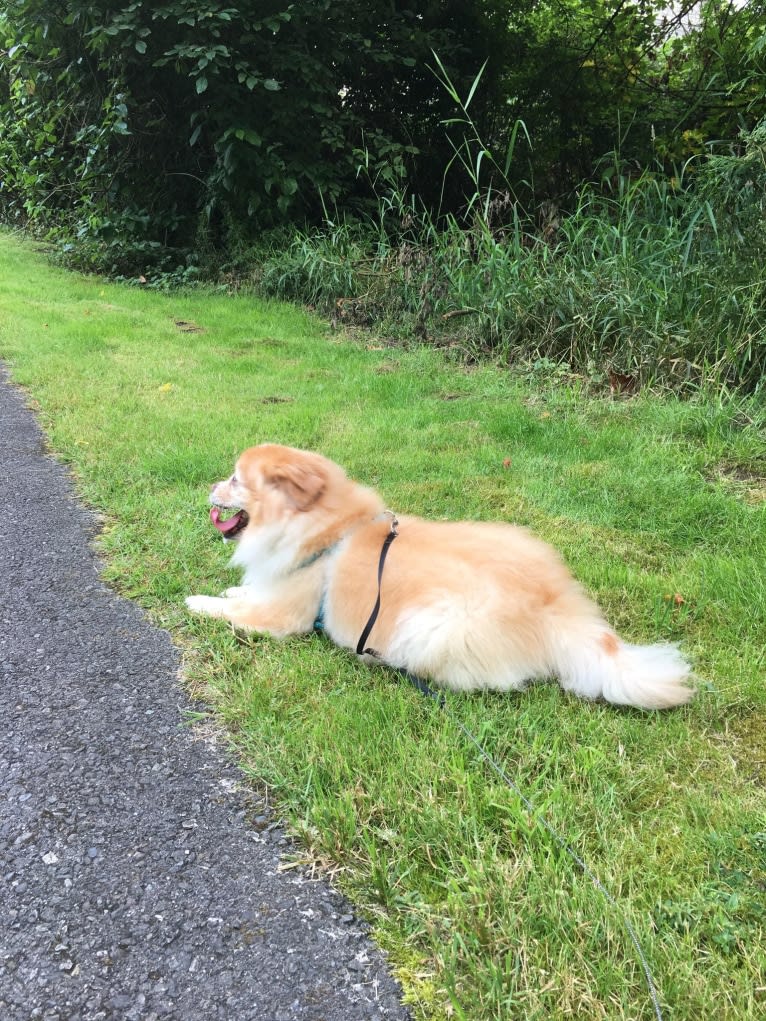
[644,676]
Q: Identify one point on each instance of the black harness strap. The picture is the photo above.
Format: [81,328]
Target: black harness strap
[360,645]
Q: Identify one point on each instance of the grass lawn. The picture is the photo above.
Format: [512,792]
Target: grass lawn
[659,506]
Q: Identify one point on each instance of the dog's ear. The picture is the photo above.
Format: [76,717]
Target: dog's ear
[301,480]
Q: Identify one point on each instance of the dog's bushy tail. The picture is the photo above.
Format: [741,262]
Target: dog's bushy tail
[601,665]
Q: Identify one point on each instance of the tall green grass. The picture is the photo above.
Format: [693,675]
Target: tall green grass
[648,277]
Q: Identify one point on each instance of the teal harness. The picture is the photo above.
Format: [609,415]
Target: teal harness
[319,619]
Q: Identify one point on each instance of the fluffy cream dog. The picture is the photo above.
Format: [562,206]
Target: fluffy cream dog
[467,605]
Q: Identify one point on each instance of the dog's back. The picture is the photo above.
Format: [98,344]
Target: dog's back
[479,605]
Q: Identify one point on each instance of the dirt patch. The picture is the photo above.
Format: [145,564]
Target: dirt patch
[385,367]
[269,342]
[746,740]
[748,481]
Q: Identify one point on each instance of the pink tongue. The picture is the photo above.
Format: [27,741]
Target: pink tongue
[228,524]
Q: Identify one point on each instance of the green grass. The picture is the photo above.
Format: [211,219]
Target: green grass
[483,915]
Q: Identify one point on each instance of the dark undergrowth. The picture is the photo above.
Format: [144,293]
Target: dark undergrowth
[648,280]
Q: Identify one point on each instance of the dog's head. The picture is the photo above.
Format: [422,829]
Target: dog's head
[270,483]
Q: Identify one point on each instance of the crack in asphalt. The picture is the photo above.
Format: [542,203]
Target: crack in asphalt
[138,875]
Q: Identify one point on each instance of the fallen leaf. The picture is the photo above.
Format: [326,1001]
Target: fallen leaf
[620,382]
[506,463]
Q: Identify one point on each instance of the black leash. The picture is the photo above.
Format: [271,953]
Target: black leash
[360,645]
[438,697]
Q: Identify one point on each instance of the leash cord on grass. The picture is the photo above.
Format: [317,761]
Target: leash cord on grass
[441,702]
[439,699]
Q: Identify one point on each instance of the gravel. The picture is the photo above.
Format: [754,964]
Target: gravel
[138,874]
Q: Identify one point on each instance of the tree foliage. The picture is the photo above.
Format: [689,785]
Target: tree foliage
[145,120]
[262,111]
[656,80]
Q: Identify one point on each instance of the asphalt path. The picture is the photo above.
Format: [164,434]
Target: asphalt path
[138,875]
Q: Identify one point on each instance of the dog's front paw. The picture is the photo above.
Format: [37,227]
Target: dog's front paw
[209,605]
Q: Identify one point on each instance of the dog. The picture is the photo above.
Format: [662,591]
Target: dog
[466,605]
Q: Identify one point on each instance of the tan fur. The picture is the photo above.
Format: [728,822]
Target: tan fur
[467,605]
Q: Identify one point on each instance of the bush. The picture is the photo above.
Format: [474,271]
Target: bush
[650,279]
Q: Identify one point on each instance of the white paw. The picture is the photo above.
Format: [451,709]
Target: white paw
[204,604]
[238,591]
